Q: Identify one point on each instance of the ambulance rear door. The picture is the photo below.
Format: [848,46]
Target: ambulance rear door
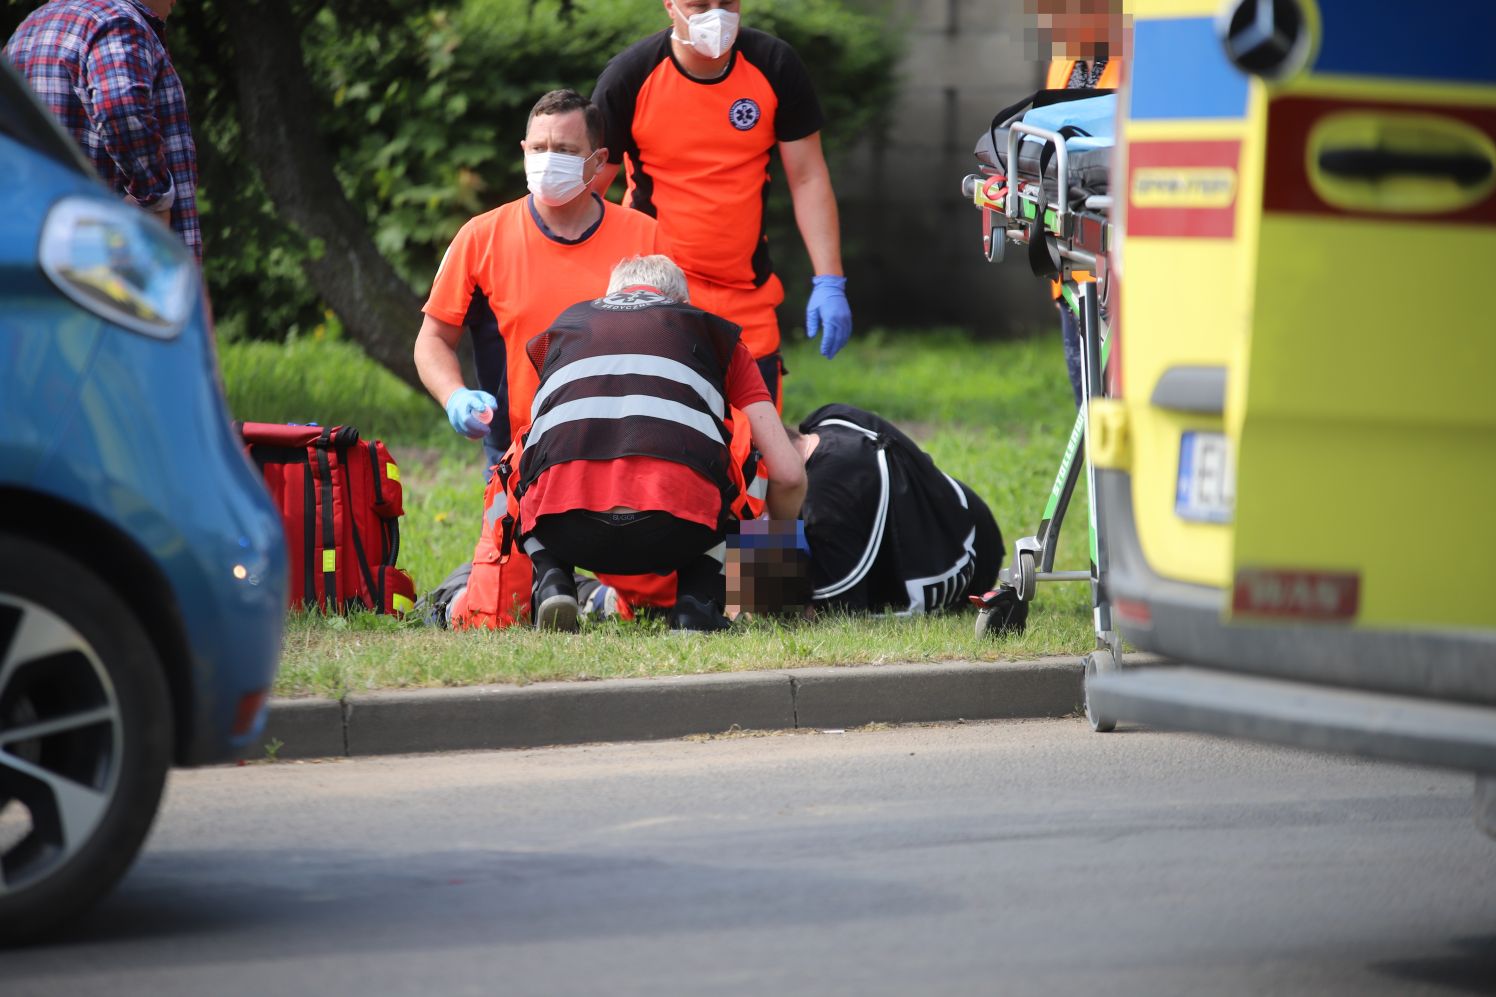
[1362,414]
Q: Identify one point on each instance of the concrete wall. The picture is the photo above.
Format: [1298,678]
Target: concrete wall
[914,246]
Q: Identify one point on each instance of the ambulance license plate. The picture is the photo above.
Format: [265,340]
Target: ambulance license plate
[1206,490]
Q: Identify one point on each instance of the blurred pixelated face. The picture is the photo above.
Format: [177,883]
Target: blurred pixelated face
[768,569]
[1075,29]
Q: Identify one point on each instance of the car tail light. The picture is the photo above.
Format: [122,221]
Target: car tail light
[121,264]
[1133,611]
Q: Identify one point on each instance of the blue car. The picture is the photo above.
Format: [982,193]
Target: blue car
[142,564]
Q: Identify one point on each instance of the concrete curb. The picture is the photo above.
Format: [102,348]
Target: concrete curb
[548,713]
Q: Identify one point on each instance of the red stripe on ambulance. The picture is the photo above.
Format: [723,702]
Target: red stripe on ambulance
[1324,596]
[1182,189]
[1288,188]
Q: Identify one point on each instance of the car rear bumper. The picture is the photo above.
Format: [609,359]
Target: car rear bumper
[1263,670]
[1325,718]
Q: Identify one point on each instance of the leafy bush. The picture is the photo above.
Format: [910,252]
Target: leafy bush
[424,107]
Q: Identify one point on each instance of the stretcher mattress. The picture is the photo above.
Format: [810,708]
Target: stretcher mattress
[1089,168]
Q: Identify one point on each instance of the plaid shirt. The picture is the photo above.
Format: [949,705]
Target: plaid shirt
[102,67]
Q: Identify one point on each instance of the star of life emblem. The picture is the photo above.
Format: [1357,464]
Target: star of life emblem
[744,114]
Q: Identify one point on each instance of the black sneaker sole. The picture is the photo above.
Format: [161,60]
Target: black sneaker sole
[558,612]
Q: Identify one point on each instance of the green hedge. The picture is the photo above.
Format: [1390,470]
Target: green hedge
[425,111]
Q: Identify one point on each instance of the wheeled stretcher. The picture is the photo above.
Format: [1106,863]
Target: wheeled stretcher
[1076,224]
[1056,204]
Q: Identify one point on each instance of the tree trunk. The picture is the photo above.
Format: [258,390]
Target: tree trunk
[277,108]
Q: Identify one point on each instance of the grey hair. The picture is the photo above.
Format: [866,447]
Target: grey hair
[659,272]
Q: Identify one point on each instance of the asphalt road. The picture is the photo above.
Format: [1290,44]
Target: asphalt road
[1000,858]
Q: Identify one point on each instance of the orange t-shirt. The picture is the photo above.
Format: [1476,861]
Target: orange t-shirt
[698,150]
[530,277]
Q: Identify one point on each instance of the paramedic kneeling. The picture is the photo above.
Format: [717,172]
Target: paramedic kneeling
[625,465]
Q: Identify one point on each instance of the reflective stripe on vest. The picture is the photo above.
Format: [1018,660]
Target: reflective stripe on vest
[619,378]
[624,407]
[631,363]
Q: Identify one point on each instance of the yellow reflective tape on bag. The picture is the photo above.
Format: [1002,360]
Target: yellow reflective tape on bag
[392,471]
[329,560]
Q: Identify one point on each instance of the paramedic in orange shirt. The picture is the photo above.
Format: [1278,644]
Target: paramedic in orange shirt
[532,258]
[696,110]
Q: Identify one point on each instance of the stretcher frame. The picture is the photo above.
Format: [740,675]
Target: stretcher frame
[1078,239]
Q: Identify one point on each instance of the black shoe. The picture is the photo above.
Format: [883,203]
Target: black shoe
[555,602]
[692,614]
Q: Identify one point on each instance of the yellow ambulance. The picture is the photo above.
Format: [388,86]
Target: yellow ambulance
[1296,470]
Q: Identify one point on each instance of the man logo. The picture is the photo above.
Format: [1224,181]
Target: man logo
[744,114]
[630,301]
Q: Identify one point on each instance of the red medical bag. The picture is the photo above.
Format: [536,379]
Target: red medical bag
[340,501]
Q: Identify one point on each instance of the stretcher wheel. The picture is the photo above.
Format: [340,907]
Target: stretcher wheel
[1000,613]
[1098,663]
[983,625]
[1025,578]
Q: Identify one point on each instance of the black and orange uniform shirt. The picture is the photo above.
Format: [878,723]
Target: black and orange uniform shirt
[698,150]
[530,275]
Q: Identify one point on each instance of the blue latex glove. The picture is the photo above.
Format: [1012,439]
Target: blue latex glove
[828,306]
[801,544]
[463,408]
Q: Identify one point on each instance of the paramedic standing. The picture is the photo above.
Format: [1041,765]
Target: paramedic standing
[1088,36]
[625,466]
[696,111]
[531,258]
[102,69]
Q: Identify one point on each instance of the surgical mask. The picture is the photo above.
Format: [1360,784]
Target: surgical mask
[712,32]
[555,178]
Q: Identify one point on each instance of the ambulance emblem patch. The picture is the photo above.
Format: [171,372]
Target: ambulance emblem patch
[744,114]
[631,300]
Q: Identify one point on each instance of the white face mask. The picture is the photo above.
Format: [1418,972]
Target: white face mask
[555,178]
[712,32]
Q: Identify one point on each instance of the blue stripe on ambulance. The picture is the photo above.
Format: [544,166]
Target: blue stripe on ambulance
[1435,41]
[1180,71]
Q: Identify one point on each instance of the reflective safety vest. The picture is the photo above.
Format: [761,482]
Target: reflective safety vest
[632,374]
[1060,70]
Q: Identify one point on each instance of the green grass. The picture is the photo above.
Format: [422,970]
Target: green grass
[994,415]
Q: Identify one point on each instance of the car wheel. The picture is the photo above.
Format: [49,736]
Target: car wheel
[85,737]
